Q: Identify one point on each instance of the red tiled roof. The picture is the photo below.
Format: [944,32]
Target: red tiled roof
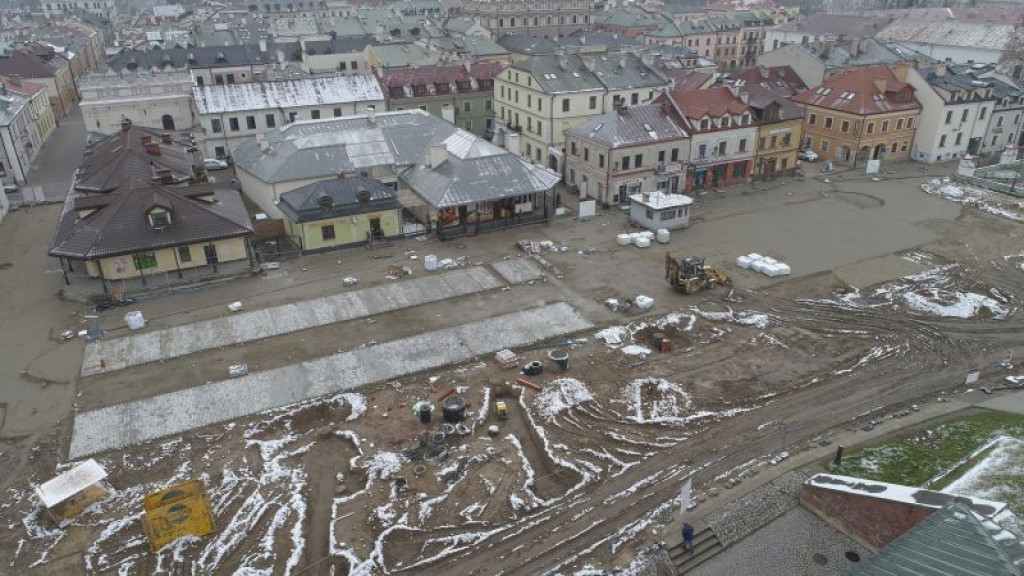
[771,77]
[20,87]
[696,104]
[427,75]
[863,91]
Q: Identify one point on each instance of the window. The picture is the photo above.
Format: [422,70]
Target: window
[743,144]
[215,126]
[467,106]
[572,175]
[903,147]
[231,78]
[586,154]
[199,81]
[721,148]
[828,123]
[354,65]
[342,66]
[487,105]
[314,114]
[724,123]
[942,141]
[337,112]
[271,121]
[250,122]
[702,151]
[824,146]
[892,149]
[159,219]
[761,143]
[661,156]
[529,100]
[949,117]
[675,155]
[144,260]
[565,104]
[1000,121]
[959,138]
[638,160]
[963,117]
[600,160]
[845,126]
[503,92]
[539,123]
[634,99]
[184,254]
[899,124]
[739,170]
[910,123]
[233,124]
[812,118]
[593,102]
[218,79]
[327,232]
[625,162]
[515,97]
[981,115]
[871,127]
[704,124]
[1016,119]
[218,151]
[649,214]
[572,148]
[667,215]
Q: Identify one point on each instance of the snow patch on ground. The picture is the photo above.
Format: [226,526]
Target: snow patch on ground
[561,395]
[743,318]
[657,401]
[984,200]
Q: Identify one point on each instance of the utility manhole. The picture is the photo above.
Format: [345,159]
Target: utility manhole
[852,556]
[5,265]
[819,559]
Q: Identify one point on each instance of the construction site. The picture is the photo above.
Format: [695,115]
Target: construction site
[532,406]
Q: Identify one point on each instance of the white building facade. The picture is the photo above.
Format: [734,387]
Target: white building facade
[956,109]
[233,113]
[161,100]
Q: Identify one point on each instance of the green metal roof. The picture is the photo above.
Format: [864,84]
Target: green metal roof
[950,542]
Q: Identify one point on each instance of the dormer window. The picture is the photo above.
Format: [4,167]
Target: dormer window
[725,122]
[704,124]
[746,119]
[159,218]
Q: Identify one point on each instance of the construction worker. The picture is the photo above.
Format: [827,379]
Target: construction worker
[688,537]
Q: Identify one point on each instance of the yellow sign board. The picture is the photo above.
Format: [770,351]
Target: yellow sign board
[181,510]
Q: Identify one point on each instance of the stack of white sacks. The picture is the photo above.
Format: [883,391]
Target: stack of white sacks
[638,239]
[763,264]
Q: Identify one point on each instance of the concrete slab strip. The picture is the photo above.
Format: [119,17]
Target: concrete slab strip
[118,426]
[121,353]
[518,270]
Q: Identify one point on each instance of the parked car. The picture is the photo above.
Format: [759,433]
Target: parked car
[11,188]
[807,155]
[214,164]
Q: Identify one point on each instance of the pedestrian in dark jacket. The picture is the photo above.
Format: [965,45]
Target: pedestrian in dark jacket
[688,537]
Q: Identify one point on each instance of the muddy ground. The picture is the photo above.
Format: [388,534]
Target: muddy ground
[579,473]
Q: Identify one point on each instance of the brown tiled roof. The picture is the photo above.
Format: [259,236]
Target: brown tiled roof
[431,75]
[119,224]
[122,156]
[21,87]
[696,104]
[26,65]
[688,79]
[863,91]
[782,80]
[760,98]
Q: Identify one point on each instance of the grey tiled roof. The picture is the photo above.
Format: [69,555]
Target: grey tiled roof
[120,225]
[612,71]
[950,542]
[308,204]
[326,148]
[477,171]
[618,72]
[631,126]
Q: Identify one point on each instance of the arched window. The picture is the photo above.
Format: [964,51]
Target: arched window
[168,122]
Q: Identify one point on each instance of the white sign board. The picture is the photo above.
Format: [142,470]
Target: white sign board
[873,166]
[686,495]
[972,377]
[588,208]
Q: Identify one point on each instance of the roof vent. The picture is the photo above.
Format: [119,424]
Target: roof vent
[363,196]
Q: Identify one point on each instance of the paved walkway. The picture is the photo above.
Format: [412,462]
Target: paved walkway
[60,155]
[120,353]
[126,424]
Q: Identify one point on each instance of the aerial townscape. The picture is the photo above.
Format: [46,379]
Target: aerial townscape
[512,287]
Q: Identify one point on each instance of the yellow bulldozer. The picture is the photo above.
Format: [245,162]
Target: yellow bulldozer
[689,275]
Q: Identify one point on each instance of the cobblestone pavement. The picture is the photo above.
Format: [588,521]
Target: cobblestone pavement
[797,542]
[119,353]
[742,517]
[125,424]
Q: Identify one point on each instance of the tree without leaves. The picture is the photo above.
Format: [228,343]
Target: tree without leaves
[1013,53]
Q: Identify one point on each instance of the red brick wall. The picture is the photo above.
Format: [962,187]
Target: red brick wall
[872,520]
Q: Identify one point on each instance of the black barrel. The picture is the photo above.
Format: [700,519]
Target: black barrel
[454,409]
[425,413]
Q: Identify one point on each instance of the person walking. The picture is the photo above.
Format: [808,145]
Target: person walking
[688,537]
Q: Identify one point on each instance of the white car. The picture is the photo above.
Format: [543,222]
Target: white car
[807,155]
[214,164]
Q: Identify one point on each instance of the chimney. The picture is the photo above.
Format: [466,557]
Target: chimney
[940,69]
[146,139]
[763,70]
[164,176]
[166,138]
[371,114]
[563,61]
[126,124]
[448,113]
[734,89]
[437,155]
[153,148]
[622,62]
[745,97]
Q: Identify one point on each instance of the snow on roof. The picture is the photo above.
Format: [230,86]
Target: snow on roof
[658,200]
[904,494]
[218,99]
[66,485]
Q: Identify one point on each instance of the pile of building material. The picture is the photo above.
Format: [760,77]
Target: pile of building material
[638,239]
[764,264]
